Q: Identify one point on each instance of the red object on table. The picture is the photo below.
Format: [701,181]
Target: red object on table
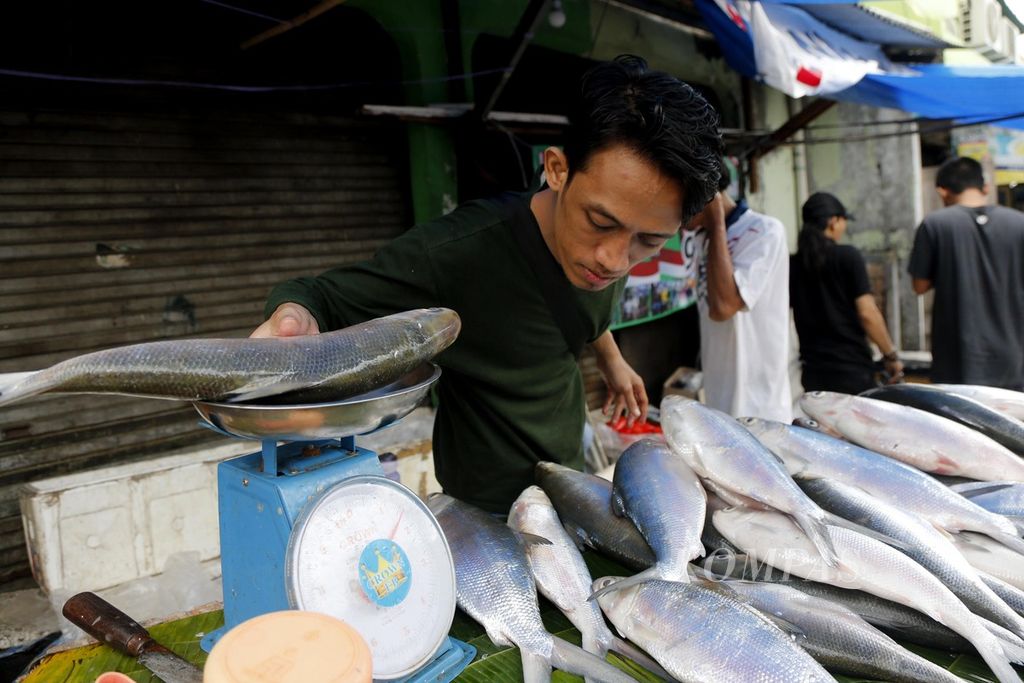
[644,427]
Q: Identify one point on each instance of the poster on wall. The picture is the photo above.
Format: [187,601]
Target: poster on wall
[661,285]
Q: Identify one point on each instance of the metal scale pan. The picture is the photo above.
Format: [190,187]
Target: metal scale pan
[316,421]
[313,524]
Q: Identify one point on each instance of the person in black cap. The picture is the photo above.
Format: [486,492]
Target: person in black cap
[833,306]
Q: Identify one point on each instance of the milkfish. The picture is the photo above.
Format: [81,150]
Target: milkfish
[1005,401]
[658,491]
[584,504]
[1001,497]
[328,366]
[495,587]
[810,455]
[839,639]
[1013,597]
[923,440]
[563,578]
[721,451]
[703,636]
[992,558]
[869,565]
[899,621]
[1001,428]
[920,541]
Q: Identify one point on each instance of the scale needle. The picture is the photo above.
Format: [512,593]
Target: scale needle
[391,536]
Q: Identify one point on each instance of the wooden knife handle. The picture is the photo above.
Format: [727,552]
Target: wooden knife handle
[107,624]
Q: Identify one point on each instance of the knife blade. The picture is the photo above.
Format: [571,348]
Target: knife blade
[111,626]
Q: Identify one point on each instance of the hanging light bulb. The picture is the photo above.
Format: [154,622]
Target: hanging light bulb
[556,17]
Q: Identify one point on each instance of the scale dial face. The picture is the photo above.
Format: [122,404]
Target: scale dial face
[370,553]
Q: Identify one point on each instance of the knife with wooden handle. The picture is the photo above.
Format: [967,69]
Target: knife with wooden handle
[111,626]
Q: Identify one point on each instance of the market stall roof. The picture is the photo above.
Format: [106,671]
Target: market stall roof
[938,91]
[781,43]
[867,23]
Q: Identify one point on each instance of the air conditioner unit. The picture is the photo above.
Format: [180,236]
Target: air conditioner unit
[982,22]
[1008,45]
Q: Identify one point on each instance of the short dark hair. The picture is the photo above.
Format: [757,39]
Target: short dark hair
[956,175]
[657,116]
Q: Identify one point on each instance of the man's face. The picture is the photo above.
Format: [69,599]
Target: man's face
[617,212]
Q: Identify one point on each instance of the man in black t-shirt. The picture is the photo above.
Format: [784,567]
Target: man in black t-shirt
[973,255]
[534,277]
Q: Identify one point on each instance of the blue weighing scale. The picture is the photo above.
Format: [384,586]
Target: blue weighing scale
[314,524]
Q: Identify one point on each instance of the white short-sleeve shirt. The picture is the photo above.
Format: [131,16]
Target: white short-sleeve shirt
[745,359]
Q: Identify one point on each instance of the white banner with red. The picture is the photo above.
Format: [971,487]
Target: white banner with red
[798,54]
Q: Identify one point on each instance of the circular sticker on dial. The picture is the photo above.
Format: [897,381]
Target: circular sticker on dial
[384,572]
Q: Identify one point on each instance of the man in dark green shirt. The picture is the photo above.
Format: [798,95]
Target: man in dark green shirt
[534,276]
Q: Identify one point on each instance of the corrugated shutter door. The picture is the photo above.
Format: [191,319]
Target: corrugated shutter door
[126,227]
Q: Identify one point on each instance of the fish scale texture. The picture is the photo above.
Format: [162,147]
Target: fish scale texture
[559,569]
[665,500]
[494,582]
[841,640]
[700,635]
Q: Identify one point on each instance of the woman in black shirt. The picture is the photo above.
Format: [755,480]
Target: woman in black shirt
[833,305]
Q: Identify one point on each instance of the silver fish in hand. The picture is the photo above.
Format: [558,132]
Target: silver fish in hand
[320,367]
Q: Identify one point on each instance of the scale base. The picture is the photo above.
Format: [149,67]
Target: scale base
[451,659]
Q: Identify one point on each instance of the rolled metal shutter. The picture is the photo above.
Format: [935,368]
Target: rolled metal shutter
[127,227]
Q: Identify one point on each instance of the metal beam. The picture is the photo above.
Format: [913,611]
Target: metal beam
[797,122]
[286,26]
[521,38]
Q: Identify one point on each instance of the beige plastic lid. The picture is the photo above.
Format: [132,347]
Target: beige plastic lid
[290,647]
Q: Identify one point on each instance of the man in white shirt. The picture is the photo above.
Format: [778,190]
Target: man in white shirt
[743,300]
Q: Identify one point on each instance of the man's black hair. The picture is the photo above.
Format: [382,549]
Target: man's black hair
[654,114]
[956,175]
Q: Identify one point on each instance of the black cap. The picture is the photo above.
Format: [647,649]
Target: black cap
[821,206]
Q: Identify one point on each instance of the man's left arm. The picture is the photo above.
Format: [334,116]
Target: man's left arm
[626,392]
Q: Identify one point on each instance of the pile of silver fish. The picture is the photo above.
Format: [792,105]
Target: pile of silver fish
[330,366]
[765,551]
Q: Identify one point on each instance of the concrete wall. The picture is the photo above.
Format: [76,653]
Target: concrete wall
[776,193]
[879,180]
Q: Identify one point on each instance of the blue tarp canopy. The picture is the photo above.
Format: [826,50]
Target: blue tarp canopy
[937,91]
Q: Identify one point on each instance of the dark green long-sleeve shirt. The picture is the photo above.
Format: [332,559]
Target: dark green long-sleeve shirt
[510,393]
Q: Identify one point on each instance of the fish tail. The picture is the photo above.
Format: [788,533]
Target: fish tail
[18,385]
[536,669]
[646,575]
[1011,541]
[1011,644]
[593,644]
[997,652]
[575,660]
[813,524]
[632,652]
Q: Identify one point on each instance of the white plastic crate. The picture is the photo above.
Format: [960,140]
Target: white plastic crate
[96,529]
